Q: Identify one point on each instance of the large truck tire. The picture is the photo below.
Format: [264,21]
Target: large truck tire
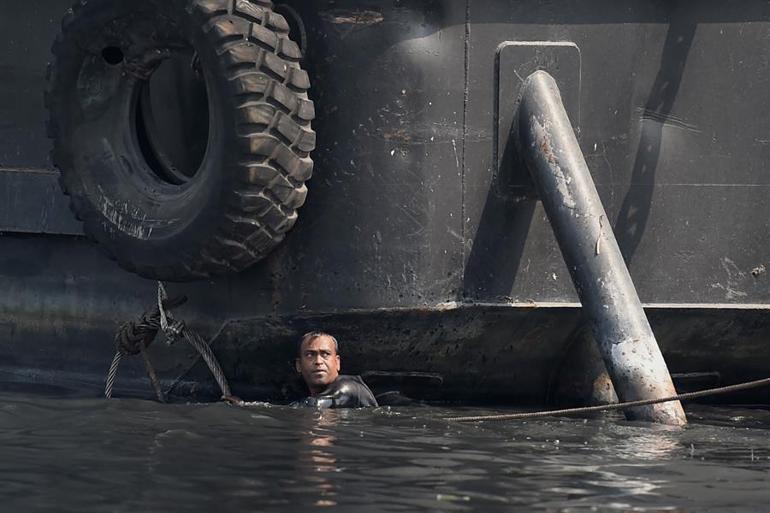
[165,206]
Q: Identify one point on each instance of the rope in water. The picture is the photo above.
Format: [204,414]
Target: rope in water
[134,337]
[619,406]
[112,374]
[207,354]
[154,381]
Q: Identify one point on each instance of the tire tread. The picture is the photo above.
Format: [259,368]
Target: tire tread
[273,112]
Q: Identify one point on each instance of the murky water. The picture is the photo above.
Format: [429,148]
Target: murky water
[64,454]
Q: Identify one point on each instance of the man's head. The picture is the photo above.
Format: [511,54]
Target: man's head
[318,360]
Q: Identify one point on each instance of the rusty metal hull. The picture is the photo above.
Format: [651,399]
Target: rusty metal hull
[414,246]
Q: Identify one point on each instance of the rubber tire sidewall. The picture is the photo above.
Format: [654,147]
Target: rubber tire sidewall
[148,225]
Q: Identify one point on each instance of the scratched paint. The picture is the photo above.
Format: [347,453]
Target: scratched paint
[361,17]
[734,278]
[542,135]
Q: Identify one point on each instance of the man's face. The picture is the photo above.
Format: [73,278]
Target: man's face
[319,363]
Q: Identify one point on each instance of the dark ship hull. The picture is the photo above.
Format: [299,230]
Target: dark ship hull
[419,246]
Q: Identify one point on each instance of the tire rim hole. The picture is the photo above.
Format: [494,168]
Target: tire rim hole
[172,119]
[112,55]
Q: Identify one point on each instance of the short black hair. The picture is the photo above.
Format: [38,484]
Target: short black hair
[312,335]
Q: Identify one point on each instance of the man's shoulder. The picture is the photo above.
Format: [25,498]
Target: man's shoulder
[346,391]
[351,392]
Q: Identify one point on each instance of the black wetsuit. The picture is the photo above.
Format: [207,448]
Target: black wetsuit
[345,392]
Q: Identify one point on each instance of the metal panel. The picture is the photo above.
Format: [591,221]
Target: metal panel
[28,30]
[33,203]
[674,120]
[383,222]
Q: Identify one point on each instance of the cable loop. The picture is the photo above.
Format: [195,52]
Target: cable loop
[134,337]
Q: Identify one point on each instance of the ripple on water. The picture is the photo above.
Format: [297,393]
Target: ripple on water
[63,454]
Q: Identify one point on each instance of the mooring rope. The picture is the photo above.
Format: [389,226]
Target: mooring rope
[112,373]
[207,354]
[618,406]
[152,375]
[133,338]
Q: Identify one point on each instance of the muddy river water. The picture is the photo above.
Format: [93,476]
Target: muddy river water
[90,455]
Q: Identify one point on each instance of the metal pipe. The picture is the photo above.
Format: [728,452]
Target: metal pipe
[628,347]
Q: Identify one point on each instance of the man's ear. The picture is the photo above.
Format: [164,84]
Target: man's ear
[297,366]
[337,357]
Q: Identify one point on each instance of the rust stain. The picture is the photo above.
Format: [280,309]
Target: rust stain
[398,135]
[344,17]
[545,148]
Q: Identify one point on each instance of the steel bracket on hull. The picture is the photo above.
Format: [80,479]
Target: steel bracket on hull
[514,62]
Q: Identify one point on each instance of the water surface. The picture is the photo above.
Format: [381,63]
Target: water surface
[91,455]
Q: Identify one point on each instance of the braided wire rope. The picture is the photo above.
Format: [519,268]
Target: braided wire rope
[207,354]
[162,296]
[619,406]
[111,374]
[133,338]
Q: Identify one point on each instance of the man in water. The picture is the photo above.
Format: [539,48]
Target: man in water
[318,361]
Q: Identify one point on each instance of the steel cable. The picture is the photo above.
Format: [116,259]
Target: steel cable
[619,406]
[111,374]
[207,354]
[133,338]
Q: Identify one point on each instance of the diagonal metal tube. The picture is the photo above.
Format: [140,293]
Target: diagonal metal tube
[551,151]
